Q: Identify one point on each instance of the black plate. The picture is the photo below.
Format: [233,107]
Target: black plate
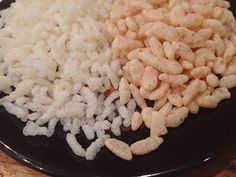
[199,139]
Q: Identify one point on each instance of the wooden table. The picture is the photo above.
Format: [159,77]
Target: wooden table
[223,166]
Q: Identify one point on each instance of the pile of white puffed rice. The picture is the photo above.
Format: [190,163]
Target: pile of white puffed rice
[86,64]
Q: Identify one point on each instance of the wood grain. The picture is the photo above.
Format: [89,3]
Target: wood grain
[11,168]
[223,166]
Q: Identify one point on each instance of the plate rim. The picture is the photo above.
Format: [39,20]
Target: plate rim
[47,171]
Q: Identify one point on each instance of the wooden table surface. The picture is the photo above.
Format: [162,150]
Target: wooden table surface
[223,166]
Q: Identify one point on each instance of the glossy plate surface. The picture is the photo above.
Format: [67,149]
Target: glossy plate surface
[199,139]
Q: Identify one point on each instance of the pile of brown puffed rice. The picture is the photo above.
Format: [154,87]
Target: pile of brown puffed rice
[180,54]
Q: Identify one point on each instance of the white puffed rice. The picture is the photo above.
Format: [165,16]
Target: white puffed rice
[62,70]
[115,126]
